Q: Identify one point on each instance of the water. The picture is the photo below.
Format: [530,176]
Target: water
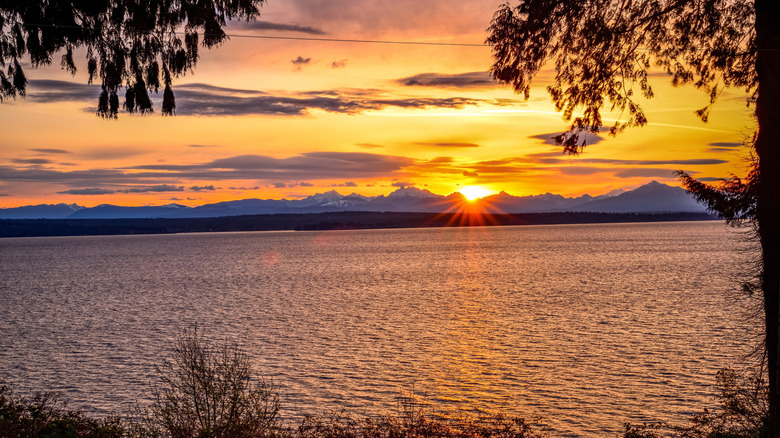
[587,326]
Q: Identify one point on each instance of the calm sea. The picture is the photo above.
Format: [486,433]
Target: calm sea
[587,326]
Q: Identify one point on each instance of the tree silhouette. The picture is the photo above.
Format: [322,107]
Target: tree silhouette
[603,51]
[140,45]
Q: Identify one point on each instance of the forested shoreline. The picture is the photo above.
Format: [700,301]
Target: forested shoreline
[319,221]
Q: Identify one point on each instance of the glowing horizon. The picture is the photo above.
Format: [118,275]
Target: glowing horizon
[279,119]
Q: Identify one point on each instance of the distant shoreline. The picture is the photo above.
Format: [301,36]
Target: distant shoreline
[318,221]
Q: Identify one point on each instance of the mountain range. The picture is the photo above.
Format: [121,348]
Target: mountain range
[653,197]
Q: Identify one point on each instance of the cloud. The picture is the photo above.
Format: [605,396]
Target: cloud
[448,144]
[202,188]
[201,146]
[282,27]
[5,194]
[346,184]
[470,174]
[649,173]
[589,138]
[279,185]
[369,145]
[402,184]
[339,64]
[460,80]
[579,160]
[49,151]
[50,90]
[441,160]
[154,189]
[724,146]
[306,184]
[244,188]
[300,61]
[31,161]
[87,191]
[307,166]
[199,99]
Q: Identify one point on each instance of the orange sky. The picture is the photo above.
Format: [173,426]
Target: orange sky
[274,118]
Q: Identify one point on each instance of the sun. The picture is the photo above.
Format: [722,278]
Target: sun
[474,192]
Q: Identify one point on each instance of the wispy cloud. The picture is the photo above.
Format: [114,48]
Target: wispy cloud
[31,161]
[87,191]
[341,63]
[198,99]
[158,177]
[460,80]
[49,151]
[448,144]
[280,27]
[588,138]
[300,61]
[724,146]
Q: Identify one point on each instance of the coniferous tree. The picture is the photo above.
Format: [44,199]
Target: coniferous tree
[603,52]
[132,47]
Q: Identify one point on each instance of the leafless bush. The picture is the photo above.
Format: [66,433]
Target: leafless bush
[208,392]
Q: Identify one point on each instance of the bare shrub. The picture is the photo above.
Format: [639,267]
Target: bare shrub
[208,392]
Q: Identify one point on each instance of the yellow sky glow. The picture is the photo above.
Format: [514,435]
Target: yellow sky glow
[351,117]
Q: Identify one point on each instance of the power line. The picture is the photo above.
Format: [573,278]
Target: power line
[275,37]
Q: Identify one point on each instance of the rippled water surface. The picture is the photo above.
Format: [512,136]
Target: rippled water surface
[587,326]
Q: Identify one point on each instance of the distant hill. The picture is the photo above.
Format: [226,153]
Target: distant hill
[42,211]
[653,197]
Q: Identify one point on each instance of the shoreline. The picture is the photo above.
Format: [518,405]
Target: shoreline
[320,222]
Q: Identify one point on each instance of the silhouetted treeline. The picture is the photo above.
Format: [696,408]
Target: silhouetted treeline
[319,221]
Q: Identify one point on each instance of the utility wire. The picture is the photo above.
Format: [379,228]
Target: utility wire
[274,37]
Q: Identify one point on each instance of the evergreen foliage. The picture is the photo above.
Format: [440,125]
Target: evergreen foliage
[136,45]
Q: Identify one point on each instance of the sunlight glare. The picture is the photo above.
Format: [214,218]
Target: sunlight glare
[474,192]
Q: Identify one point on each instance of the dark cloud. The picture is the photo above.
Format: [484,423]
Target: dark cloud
[88,191]
[460,80]
[49,151]
[201,146]
[306,184]
[283,27]
[31,161]
[208,100]
[244,188]
[300,61]
[441,160]
[470,174]
[78,178]
[202,188]
[621,172]
[726,144]
[448,144]
[279,185]
[589,138]
[341,63]
[579,160]
[49,90]
[402,184]
[162,188]
[346,184]
[649,173]
[5,194]
[312,165]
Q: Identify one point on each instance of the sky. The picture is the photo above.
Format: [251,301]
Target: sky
[287,118]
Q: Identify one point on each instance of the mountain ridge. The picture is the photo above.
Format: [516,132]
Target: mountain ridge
[653,197]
